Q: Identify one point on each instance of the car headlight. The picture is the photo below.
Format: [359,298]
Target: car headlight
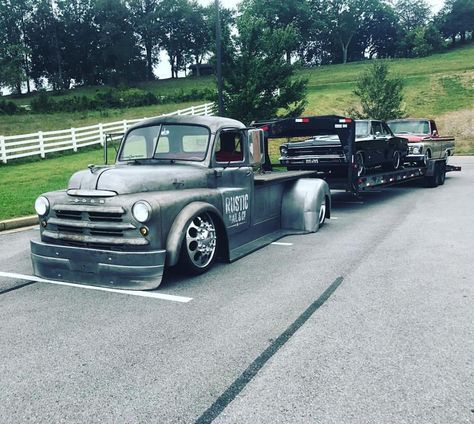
[283,150]
[42,206]
[416,150]
[141,211]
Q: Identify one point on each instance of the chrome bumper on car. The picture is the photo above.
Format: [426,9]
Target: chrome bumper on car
[312,159]
[105,268]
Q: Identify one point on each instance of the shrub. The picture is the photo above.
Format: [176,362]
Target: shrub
[8,108]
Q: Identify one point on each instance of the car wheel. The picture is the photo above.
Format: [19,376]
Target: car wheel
[199,247]
[359,160]
[322,212]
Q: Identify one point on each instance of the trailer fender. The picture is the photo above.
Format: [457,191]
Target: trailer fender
[301,204]
[176,234]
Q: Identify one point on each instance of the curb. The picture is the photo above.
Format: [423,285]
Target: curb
[25,221]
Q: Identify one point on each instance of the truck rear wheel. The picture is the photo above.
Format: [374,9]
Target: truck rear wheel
[199,247]
[322,212]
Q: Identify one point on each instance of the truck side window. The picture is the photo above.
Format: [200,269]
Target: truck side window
[229,147]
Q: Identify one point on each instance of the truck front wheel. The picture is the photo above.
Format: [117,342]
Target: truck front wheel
[199,247]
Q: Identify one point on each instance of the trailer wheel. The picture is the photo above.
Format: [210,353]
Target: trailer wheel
[442,173]
[199,247]
[359,160]
[433,180]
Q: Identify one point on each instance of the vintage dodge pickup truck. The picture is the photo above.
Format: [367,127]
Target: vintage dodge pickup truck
[424,141]
[183,191]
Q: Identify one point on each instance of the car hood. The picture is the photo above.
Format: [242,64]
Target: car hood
[413,138]
[126,179]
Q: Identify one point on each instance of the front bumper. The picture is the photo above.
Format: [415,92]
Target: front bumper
[105,268]
[414,158]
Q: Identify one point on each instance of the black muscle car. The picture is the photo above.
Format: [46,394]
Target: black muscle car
[375,145]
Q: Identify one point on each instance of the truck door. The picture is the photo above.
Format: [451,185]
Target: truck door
[380,145]
[234,178]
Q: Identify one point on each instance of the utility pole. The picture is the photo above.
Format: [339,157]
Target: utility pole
[220,102]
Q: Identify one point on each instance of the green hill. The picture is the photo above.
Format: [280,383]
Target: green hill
[440,86]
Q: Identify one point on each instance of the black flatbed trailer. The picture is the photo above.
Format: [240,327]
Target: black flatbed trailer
[343,176]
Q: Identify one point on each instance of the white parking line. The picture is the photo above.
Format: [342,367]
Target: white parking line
[280,243]
[83,286]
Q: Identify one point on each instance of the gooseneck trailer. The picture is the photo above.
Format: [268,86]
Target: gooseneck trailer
[337,163]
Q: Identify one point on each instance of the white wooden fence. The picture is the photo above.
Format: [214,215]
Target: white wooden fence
[44,142]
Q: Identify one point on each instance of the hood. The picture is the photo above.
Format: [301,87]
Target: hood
[321,141]
[413,138]
[126,179]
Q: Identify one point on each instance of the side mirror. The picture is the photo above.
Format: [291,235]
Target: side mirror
[111,140]
[434,133]
[256,145]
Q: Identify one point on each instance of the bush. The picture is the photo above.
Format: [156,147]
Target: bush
[8,108]
[114,99]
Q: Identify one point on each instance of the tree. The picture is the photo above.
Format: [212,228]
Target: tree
[412,13]
[258,81]
[145,20]
[200,40]
[380,96]
[14,51]
[118,56]
[175,32]
[277,14]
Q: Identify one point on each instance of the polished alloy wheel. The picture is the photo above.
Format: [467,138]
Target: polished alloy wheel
[201,240]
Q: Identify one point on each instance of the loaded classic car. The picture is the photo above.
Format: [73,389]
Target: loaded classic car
[183,191]
[424,141]
[375,145]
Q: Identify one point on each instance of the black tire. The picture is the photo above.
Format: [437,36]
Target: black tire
[442,173]
[359,160]
[432,181]
[395,161]
[199,246]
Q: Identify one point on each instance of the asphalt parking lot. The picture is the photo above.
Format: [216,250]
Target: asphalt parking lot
[370,320]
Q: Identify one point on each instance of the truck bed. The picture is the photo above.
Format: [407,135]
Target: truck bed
[273,176]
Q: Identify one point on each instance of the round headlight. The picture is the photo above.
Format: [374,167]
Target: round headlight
[283,150]
[416,150]
[141,211]
[42,206]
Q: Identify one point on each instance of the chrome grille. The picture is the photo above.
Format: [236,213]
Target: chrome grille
[92,226]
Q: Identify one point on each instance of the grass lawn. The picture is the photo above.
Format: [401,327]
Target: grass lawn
[440,86]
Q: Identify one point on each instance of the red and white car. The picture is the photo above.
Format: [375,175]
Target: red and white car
[424,141]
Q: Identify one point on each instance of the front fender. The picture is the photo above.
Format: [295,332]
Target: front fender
[176,233]
[301,203]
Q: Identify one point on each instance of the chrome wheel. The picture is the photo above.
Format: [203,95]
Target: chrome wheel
[201,241]
[359,159]
[426,157]
[322,212]
[396,159]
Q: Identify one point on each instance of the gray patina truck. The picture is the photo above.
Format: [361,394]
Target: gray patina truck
[183,191]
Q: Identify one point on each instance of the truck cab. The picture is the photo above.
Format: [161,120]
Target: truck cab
[184,191]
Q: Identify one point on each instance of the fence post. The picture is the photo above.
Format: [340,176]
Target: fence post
[3,149]
[73,137]
[192,110]
[205,109]
[101,134]
[124,125]
[41,144]
[179,112]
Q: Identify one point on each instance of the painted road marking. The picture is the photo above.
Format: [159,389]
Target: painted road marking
[280,243]
[83,286]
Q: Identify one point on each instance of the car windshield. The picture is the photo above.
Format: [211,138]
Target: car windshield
[362,129]
[166,141]
[410,127]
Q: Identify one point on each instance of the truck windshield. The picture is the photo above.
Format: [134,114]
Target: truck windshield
[409,127]
[166,141]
